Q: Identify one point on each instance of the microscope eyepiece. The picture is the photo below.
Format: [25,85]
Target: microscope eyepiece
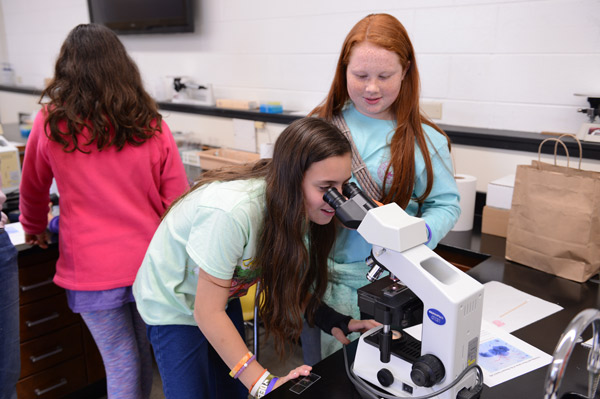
[349,211]
[334,198]
[350,190]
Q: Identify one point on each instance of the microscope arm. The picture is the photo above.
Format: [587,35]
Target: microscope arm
[452,300]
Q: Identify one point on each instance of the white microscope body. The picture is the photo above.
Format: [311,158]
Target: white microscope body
[452,309]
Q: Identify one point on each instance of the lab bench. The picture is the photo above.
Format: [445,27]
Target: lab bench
[58,354]
[488,264]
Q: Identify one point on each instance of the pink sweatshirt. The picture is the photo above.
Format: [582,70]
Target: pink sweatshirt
[110,204]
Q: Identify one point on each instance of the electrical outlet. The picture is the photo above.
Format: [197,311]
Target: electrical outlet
[432,109]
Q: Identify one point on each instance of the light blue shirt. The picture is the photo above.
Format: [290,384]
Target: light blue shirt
[440,210]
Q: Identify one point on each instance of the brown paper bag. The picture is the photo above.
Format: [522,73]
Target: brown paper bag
[554,221]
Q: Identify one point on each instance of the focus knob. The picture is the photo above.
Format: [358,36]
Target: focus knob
[385,377]
[427,371]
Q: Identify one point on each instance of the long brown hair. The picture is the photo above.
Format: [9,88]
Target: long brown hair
[96,85]
[289,270]
[387,32]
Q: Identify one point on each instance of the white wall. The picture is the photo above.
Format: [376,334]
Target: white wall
[499,64]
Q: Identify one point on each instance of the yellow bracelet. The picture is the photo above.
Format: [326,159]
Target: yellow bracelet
[240,364]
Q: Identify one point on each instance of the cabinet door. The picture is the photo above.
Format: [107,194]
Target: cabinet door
[44,316]
[48,350]
[35,282]
[55,382]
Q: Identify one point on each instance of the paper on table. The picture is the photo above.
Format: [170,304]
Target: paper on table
[15,233]
[502,356]
[511,309]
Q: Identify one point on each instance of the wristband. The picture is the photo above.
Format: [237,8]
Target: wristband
[264,386]
[259,380]
[242,364]
[244,367]
[428,233]
[271,385]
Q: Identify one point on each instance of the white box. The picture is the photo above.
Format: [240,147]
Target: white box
[500,192]
[10,166]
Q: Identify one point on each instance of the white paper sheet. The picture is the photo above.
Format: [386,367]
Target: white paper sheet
[15,233]
[511,309]
[503,356]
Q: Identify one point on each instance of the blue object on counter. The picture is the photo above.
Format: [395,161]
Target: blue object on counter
[271,108]
[53,225]
[25,130]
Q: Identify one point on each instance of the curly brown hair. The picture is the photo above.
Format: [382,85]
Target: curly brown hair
[97,95]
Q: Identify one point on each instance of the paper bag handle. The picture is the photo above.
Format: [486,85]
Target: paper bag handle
[558,140]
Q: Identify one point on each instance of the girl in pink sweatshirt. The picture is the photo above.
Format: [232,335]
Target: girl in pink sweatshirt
[117,169]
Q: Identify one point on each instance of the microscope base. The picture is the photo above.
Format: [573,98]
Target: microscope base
[367,365]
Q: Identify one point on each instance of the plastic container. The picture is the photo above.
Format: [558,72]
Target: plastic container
[271,108]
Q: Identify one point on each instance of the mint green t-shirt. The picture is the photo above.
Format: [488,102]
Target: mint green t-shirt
[215,228]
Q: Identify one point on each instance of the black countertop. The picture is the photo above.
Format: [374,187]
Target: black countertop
[543,334]
[471,136]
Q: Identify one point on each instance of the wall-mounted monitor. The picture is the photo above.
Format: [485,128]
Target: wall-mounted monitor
[143,16]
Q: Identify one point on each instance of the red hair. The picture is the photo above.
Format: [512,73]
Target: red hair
[387,32]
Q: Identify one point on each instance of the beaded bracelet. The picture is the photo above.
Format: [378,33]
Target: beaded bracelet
[242,364]
[258,382]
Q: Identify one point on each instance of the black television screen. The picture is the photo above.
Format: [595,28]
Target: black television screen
[143,16]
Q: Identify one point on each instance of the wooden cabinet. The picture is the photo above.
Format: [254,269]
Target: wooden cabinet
[58,355]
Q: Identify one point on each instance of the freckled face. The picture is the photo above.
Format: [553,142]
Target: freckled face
[374,77]
[318,178]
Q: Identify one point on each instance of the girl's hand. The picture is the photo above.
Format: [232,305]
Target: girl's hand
[360,326]
[40,240]
[303,370]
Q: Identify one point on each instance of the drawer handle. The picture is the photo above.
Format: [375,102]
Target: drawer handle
[25,288]
[40,392]
[56,351]
[40,321]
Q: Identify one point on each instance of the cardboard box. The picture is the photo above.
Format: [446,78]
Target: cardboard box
[500,192]
[495,221]
[219,157]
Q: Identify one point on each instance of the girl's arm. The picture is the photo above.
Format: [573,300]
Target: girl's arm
[338,325]
[441,208]
[209,311]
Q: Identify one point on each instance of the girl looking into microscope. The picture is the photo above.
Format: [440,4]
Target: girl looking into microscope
[263,222]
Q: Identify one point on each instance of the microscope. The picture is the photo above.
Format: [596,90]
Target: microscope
[421,286]
[594,110]
[189,92]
